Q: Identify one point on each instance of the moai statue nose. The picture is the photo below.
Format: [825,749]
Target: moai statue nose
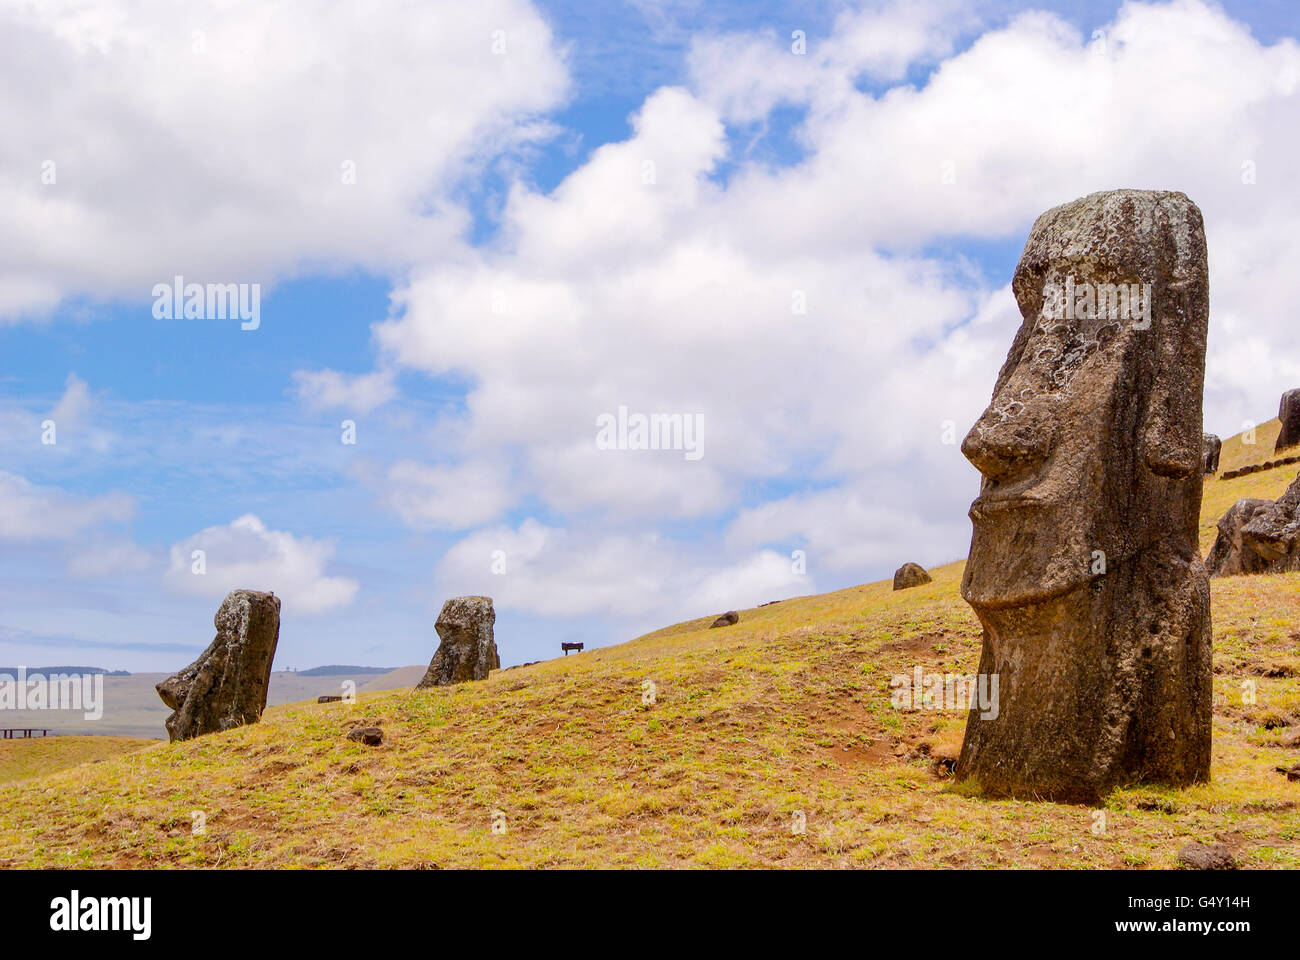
[1007,442]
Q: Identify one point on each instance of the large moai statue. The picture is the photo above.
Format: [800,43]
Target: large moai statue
[467,649]
[226,686]
[1084,566]
[1288,411]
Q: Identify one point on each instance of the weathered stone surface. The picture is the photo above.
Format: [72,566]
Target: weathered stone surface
[726,620]
[910,575]
[1196,856]
[226,686]
[1259,536]
[1084,567]
[1288,412]
[370,736]
[1211,447]
[467,650]
[328,698]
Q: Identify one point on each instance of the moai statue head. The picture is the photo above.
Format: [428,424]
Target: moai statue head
[1084,565]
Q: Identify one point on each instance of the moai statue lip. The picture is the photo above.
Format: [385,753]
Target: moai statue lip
[1084,566]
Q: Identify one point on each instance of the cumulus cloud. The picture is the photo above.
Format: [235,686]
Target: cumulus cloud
[813,313]
[549,571]
[30,512]
[447,497]
[236,141]
[246,554]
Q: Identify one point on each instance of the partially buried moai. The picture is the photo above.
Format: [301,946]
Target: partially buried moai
[1084,566]
[226,686]
[467,649]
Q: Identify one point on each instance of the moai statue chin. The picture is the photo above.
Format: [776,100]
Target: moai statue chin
[1084,566]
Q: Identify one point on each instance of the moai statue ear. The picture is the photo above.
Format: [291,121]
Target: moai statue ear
[1171,441]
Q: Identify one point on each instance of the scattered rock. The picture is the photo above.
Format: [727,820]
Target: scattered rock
[226,686]
[1084,566]
[1292,773]
[370,736]
[1259,467]
[726,620]
[328,698]
[1196,856]
[467,650]
[1288,412]
[1259,536]
[910,575]
[1211,447]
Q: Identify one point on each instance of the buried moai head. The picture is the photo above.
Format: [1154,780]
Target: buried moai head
[226,686]
[1084,566]
[467,649]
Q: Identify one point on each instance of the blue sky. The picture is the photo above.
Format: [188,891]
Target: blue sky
[520,177]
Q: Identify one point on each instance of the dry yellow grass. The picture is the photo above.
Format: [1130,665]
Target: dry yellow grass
[22,759]
[782,720]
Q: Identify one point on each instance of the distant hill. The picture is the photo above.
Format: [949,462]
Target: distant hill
[338,669]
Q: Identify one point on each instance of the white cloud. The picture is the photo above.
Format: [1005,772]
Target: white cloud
[215,140]
[551,572]
[247,555]
[447,497]
[679,295]
[74,404]
[331,390]
[109,558]
[30,512]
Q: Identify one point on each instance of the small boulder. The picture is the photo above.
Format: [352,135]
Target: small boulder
[726,620]
[226,686]
[1288,412]
[1196,856]
[328,698]
[1211,447]
[910,575]
[370,736]
[467,649]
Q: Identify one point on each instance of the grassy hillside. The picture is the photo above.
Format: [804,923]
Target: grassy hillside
[38,756]
[1237,453]
[785,714]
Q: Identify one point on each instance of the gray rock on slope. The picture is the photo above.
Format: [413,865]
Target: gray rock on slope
[1084,566]
[728,619]
[1288,411]
[466,648]
[1259,536]
[226,686]
[910,575]
[1211,447]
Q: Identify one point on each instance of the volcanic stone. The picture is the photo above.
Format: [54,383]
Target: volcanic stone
[1259,536]
[726,620]
[1196,856]
[370,736]
[1084,566]
[910,575]
[1289,413]
[467,650]
[1211,446]
[226,686]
